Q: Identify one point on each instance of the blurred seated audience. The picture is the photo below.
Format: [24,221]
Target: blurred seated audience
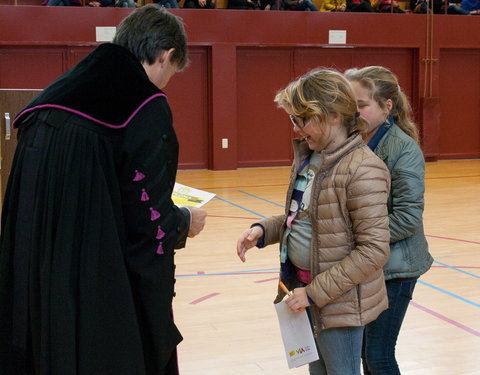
[199,4]
[62,3]
[333,6]
[242,4]
[385,6]
[166,3]
[466,7]
[471,6]
[301,5]
[112,3]
[359,6]
[271,5]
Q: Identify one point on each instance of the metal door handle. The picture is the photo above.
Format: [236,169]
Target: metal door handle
[8,131]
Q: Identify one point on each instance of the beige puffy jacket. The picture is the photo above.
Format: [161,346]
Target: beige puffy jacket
[350,235]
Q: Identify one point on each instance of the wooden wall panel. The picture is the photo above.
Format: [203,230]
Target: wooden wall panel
[307,59]
[30,68]
[264,131]
[188,96]
[403,63]
[400,60]
[76,54]
[460,103]
[11,102]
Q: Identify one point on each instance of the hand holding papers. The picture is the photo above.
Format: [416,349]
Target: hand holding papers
[288,292]
[192,199]
[187,196]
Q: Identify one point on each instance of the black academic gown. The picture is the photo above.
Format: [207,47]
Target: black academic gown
[89,229]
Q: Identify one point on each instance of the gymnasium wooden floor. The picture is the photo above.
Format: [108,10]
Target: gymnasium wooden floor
[224,307]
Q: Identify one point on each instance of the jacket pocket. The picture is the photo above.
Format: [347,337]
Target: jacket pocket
[398,261]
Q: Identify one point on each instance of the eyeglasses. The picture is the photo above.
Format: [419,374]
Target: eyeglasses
[297,121]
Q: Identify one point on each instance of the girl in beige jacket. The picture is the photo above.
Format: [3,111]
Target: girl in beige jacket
[334,236]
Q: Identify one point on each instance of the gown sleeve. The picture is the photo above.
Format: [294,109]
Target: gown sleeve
[148,171]
[154,226]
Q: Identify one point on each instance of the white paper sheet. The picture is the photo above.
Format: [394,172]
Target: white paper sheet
[187,196]
[297,336]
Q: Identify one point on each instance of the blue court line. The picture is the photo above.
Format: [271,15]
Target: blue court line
[237,199]
[243,208]
[420,281]
[457,269]
[262,199]
[225,191]
[449,293]
[229,273]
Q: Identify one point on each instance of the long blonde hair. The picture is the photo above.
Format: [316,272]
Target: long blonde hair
[319,93]
[383,85]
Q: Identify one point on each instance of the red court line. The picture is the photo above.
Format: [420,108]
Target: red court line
[235,217]
[449,177]
[239,186]
[459,267]
[201,299]
[199,274]
[452,239]
[445,319]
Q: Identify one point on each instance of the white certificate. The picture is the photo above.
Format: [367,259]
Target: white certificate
[297,336]
[187,196]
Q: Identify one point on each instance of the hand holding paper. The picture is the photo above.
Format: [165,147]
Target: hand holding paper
[198,216]
[297,300]
[192,198]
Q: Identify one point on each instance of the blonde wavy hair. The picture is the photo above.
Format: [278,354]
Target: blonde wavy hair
[319,93]
[383,85]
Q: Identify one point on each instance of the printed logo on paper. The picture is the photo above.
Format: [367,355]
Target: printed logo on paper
[299,351]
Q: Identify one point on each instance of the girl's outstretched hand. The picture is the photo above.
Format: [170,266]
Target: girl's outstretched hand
[247,240]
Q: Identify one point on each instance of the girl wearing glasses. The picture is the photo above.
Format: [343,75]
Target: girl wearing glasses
[334,236]
[392,135]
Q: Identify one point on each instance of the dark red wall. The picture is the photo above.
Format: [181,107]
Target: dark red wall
[239,59]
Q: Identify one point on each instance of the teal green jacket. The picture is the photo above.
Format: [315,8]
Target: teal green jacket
[409,256]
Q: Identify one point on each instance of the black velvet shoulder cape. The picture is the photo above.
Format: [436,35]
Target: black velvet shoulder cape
[92,89]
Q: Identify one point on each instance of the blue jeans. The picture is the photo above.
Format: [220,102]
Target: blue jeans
[59,3]
[339,350]
[381,335]
[307,5]
[125,4]
[168,3]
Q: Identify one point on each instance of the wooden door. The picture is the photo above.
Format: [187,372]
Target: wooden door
[11,102]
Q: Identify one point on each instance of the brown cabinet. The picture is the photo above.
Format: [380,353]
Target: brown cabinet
[11,102]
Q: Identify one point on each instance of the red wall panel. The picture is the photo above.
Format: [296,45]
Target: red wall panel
[30,68]
[75,54]
[460,104]
[264,131]
[188,96]
[307,59]
[402,62]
